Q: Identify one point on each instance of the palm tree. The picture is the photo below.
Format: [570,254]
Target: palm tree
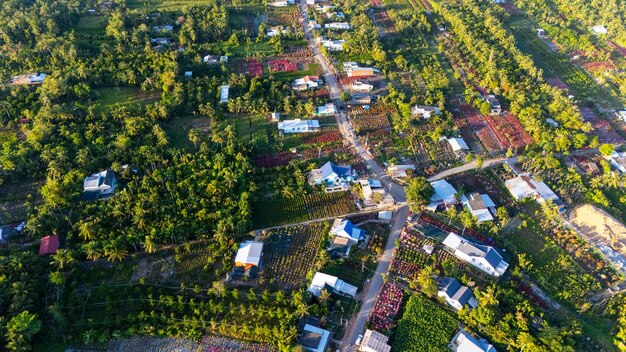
[324,296]
[63,258]
[92,251]
[114,252]
[149,245]
[287,192]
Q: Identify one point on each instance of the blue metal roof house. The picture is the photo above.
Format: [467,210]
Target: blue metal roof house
[334,177]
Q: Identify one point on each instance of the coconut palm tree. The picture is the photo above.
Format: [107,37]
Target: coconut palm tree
[63,258]
[149,245]
[114,252]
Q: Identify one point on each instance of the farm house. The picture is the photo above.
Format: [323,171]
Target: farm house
[480,205]
[455,294]
[485,258]
[298,126]
[464,342]
[249,255]
[331,283]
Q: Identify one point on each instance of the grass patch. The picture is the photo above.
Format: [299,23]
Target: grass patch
[163,5]
[91,23]
[177,130]
[124,95]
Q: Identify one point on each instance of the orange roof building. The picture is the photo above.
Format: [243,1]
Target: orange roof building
[49,245]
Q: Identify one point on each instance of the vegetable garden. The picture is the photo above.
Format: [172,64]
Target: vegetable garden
[289,253]
[424,327]
[277,210]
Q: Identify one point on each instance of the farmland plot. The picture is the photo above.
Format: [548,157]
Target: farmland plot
[278,210]
[290,253]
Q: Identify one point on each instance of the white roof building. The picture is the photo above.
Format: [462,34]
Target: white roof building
[338,25]
[314,339]
[224,93]
[444,195]
[298,126]
[425,111]
[249,254]
[214,59]
[599,29]
[326,110]
[464,342]
[373,341]
[369,187]
[306,82]
[527,187]
[480,205]
[483,257]
[618,161]
[399,171]
[323,281]
[361,86]
[457,144]
[333,45]
[385,215]
[276,30]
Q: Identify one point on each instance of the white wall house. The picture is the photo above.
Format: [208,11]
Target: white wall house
[483,257]
[224,93]
[331,283]
[425,111]
[338,26]
[525,186]
[465,342]
[98,185]
[359,86]
[456,295]
[298,126]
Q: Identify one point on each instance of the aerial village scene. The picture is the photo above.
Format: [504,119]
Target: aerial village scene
[313,175]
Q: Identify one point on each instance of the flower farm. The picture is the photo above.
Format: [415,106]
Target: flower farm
[290,253]
[386,307]
[278,210]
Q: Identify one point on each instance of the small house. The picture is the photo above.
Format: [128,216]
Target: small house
[314,25]
[525,186]
[333,177]
[458,144]
[99,185]
[483,257]
[352,69]
[465,342]
[369,187]
[161,41]
[338,26]
[214,59]
[333,45]
[599,29]
[456,295]
[49,245]
[28,79]
[332,284]
[224,90]
[326,110]
[425,111]
[385,215]
[494,105]
[480,205]
[298,126]
[399,171]
[445,195]
[188,74]
[621,115]
[359,86]
[373,341]
[541,33]
[618,161]
[249,255]
[306,82]
[344,228]
[275,116]
[314,339]
[276,30]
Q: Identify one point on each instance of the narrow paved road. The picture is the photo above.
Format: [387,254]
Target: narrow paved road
[356,326]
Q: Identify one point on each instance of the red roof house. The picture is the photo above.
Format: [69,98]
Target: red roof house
[48,245]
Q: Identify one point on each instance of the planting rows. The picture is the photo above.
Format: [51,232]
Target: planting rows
[278,210]
[324,137]
[480,127]
[409,257]
[255,68]
[584,254]
[601,128]
[282,66]
[386,307]
[507,130]
[424,327]
[368,123]
[289,253]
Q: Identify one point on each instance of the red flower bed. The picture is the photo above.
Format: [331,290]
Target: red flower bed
[324,137]
[255,68]
[279,159]
[599,66]
[386,307]
[283,66]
